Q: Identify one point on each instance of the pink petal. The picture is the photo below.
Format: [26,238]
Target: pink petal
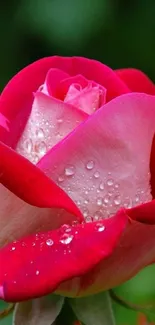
[66,83]
[53,79]
[105,162]
[88,99]
[36,265]
[49,122]
[19,219]
[136,80]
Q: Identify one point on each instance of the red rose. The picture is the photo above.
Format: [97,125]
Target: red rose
[77,215]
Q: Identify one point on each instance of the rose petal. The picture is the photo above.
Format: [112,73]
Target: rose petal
[137,81]
[105,162]
[53,79]
[31,185]
[88,99]
[49,122]
[17,97]
[134,251]
[19,219]
[36,265]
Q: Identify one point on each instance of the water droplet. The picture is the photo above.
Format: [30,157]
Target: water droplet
[85,212]
[66,228]
[33,244]
[49,242]
[86,201]
[40,133]
[127,203]
[37,272]
[117,200]
[13,248]
[90,164]
[100,227]
[86,192]
[110,182]
[99,201]
[96,174]
[97,216]
[35,159]
[106,199]
[28,145]
[88,219]
[40,147]
[116,185]
[69,170]
[66,239]
[60,178]
[137,198]
[101,186]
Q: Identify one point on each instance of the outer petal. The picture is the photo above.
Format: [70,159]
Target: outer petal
[110,154]
[36,265]
[137,81]
[135,250]
[31,185]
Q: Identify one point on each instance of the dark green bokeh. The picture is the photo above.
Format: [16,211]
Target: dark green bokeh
[116,32]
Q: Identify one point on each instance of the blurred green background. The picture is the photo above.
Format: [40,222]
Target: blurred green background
[116,32]
[120,33]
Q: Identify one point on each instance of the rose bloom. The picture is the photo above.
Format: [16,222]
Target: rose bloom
[77,156]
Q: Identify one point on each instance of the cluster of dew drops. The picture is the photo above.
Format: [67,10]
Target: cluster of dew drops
[108,194]
[67,234]
[40,135]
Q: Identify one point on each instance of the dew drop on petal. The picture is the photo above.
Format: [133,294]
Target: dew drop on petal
[66,239]
[49,242]
[90,164]
[37,272]
[99,201]
[35,159]
[28,145]
[88,219]
[106,199]
[101,186]
[69,170]
[110,182]
[40,133]
[60,178]
[117,200]
[137,198]
[66,228]
[96,174]
[40,147]
[97,216]
[100,227]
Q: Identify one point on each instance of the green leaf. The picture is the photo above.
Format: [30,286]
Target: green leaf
[94,309]
[41,311]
